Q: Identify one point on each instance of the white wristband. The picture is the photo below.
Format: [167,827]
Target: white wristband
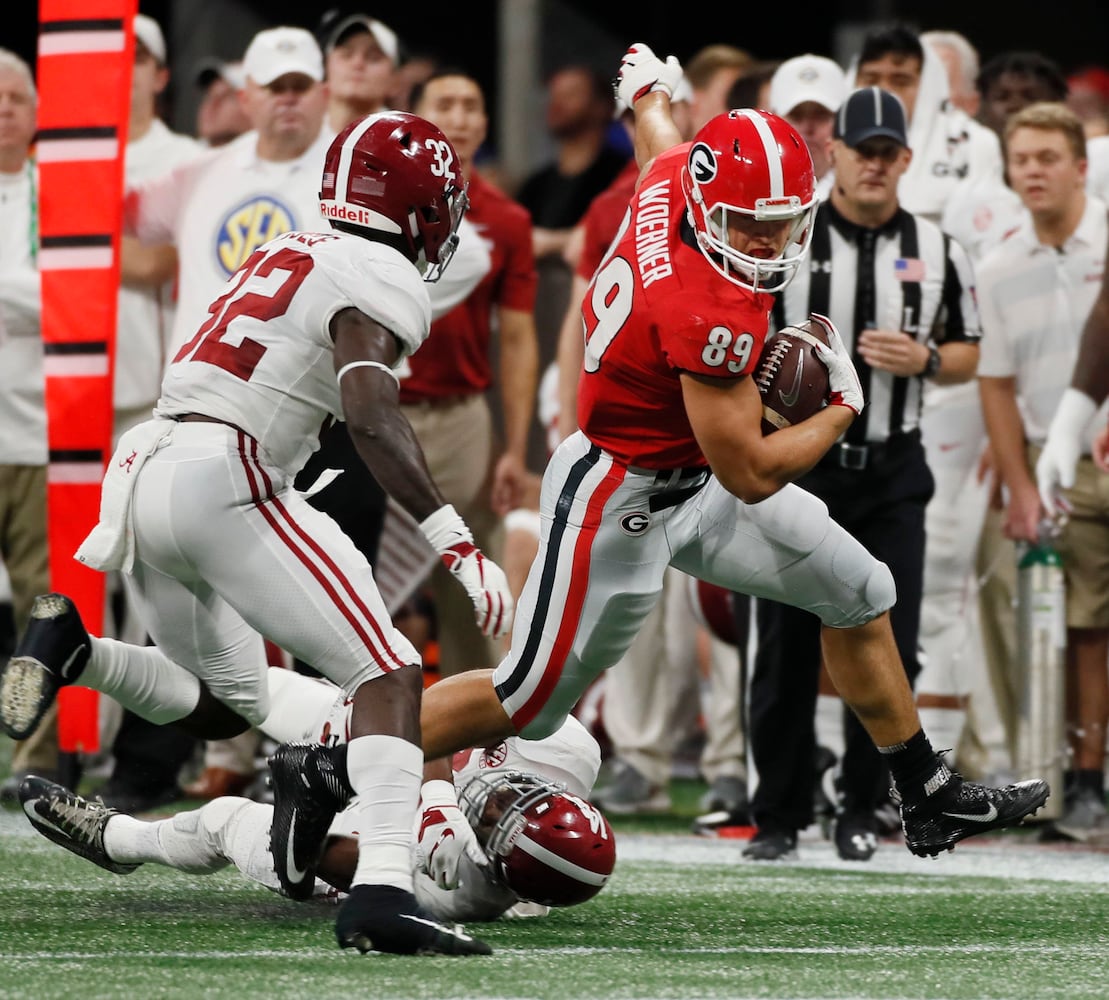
[366,364]
[445,528]
[438,793]
[1074,412]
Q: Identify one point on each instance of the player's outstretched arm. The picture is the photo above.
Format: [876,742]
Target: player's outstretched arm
[365,353]
[645,84]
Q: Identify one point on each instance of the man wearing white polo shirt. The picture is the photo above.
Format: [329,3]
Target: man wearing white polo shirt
[145,298]
[219,209]
[807,92]
[1035,291]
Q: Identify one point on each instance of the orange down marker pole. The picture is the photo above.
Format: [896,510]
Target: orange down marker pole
[85,56]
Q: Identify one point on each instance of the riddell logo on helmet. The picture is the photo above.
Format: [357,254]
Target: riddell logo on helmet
[348,213]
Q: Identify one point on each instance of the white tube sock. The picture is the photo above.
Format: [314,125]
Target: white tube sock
[143,679]
[191,841]
[386,773]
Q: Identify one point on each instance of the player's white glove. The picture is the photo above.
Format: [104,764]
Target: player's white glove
[444,835]
[483,579]
[641,72]
[1062,449]
[844,387]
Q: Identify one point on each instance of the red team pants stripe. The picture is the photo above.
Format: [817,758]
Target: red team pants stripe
[575,597]
[267,505]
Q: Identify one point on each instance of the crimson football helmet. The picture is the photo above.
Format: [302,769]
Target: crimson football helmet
[396,178]
[754,164]
[544,843]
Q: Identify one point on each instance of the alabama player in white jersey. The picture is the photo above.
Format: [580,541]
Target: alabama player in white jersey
[538,842]
[198,509]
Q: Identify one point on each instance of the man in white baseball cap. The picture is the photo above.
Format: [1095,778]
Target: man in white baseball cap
[807,91]
[277,51]
[150,36]
[361,56]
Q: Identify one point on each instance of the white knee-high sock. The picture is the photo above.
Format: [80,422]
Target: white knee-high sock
[386,773]
[191,841]
[143,679]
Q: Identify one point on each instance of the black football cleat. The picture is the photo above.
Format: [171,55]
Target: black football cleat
[52,653]
[308,791]
[939,821]
[856,836]
[387,919]
[70,820]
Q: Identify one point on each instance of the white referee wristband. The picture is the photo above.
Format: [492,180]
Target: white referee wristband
[1074,412]
[366,364]
[445,528]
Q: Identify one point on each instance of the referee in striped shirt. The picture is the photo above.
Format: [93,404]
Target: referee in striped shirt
[900,293]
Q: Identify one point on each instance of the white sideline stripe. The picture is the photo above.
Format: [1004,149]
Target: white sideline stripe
[530,953]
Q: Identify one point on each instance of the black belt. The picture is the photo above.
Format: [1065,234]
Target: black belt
[688,486]
[858,457]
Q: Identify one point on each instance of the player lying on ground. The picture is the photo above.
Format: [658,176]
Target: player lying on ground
[526,837]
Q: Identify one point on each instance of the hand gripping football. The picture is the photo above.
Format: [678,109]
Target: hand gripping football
[791,378]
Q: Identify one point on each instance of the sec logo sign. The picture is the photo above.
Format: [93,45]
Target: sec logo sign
[247,227]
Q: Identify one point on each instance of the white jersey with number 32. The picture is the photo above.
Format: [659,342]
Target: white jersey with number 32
[263,361]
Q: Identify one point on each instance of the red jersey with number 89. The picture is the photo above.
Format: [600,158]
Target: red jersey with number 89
[657,308]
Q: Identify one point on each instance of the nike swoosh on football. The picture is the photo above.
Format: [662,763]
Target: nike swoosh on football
[790,398]
[987,817]
[295,874]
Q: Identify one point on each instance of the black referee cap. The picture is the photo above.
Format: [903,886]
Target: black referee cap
[869,112]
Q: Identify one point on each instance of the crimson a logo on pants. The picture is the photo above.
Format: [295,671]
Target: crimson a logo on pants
[635,524]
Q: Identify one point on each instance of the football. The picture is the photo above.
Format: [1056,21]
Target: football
[791,378]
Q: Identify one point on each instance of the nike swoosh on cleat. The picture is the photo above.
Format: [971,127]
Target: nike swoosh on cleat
[454,931]
[790,398]
[295,874]
[38,820]
[64,670]
[987,817]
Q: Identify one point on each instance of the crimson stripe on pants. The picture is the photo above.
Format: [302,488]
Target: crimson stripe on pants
[260,499]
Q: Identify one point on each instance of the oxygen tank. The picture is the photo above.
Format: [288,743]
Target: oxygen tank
[1042,749]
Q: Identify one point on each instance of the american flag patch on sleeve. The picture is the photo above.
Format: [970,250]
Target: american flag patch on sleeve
[908,269]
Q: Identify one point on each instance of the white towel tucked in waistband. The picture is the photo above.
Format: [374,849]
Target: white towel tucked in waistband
[111,544]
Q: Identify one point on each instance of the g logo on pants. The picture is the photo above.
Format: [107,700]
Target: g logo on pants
[635,524]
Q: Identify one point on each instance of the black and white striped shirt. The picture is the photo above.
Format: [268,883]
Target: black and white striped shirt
[907,275]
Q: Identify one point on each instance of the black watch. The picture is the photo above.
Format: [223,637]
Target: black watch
[932,365]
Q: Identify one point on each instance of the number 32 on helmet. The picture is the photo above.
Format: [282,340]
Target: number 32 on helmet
[395,178]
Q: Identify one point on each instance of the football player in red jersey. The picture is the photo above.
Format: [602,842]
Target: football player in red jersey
[670,466]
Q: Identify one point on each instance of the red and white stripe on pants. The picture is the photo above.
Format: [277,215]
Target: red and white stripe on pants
[608,534]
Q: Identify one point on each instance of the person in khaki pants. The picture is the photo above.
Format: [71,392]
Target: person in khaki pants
[1035,291]
[22,405]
